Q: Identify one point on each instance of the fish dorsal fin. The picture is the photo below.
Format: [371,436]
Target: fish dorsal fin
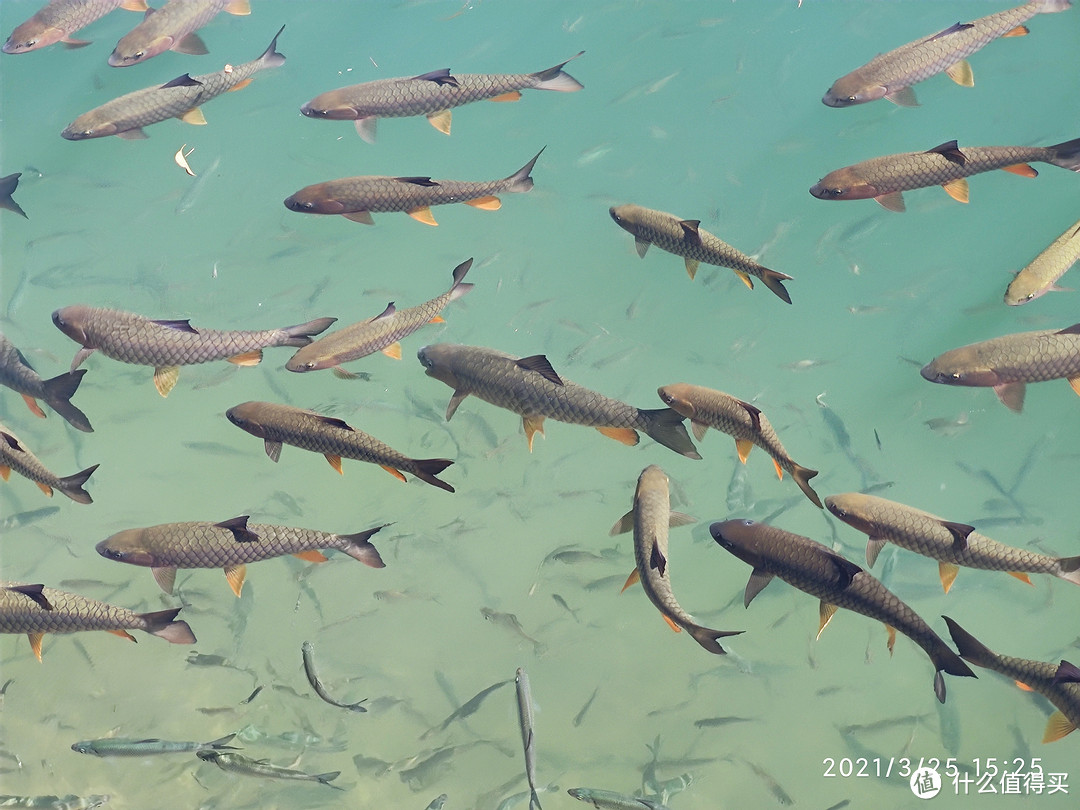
[690,230]
[633,579]
[273,449]
[950,151]
[641,244]
[165,577]
[184,80]
[441,120]
[952,29]
[179,326]
[759,578]
[825,614]
[333,421]
[239,528]
[386,313]
[958,189]
[426,182]
[893,201]
[873,547]
[960,532]
[539,363]
[1070,330]
[845,569]
[11,441]
[903,97]
[1058,726]
[1066,673]
[235,575]
[960,72]
[755,414]
[657,561]
[947,572]
[34,593]
[423,215]
[439,77]
[623,524]
[165,379]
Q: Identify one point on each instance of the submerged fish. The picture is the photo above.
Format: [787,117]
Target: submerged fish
[378,334]
[37,610]
[525,720]
[237,763]
[610,800]
[172,28]
[307,650]
[229,545]
[432,94]
[59,19]
[167,345]
[68,802]
[8,185]
[951,544]
[885,178]
[17,374]
[706,408]
[1008,363]
[512,624]
[1042,274]
[15,456]
[890,75]
[283,424]
[20,519]
[180,98]
[529,386]
[130,747]
[685,238]
[356,198]
[469,707]
[837,582]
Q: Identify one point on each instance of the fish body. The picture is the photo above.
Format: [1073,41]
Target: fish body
[237,763]
[282,424]
[307,650]
[525,721]
[130,747]
[59,19]
[8,184]
[1040,276]
[68,802]
[885,178]
[167,345]
[819,571]
[951,544]
[180,98]
[432,94]
[530,387]
[1008,363]
[37,610]
[229,545]
[1042,677]
[172,28]
[890,75]
[17,374]
[512,624]
[685,238]
[380,333]
[610,800]
[15,456]
[356,198]
[706,408]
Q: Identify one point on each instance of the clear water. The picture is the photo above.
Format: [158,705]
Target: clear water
[706,109]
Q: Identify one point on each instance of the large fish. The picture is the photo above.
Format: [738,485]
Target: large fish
[890,75]
[649,519]
[706,408]
[282,424]
[237,763]
[1041,275]
[530,387]
[378,334]
[167,345]
[685,238]
[836,581]
[180,98]
[1008,363]
[528,739]
[951,544]
[17,374]
[885,178]
[172,28]
[8,185]
[59,19]
[229,545]
[131,747]
[1058,683]
[37,610]
[15,456]
[433,94]
[610,800]
[356,198]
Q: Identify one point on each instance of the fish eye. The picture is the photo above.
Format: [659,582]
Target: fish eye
[113,554]
[747,522]
[58,321]
[140,55]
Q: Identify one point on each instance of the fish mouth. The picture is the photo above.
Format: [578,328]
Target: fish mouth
[825,193]
[300,206]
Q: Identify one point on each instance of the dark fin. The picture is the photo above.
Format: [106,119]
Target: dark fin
[759,578]
[952,29]
[459,273]
[893,201]
[343,374]
[623,524]
[456,399]
[423,215]
[947,573]
[441,120]
[163,624]
[7,188]
[221,743]
[1070,330]
[179,326]
[939,686]
[903,97]
[970,647]
[439,77]
[845,569]
[960,72]
[775,282]
[691,233]
[326,778]
[58,393]
[707,639]
[555,79]
[520,180]
[386,313]
[239,528]
[191,44]
[1066,155]
[165,577]
[802,476]
[301,334]
[426,182]
[1057,727]
[428,468]
[182,81]
[950,151]
[34,593]
[271,56]
[754,413]
[666,427]
[657,561]
[539,363]
[72,485]
[1066,672]
[960,532]
[1011,395]
[333,421]
[359,547]
[1069,568]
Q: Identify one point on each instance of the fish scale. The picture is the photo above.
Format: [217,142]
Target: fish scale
[168,25]
[1023,357]
[381,194]
[401,98]
[14,455]
[1050,265]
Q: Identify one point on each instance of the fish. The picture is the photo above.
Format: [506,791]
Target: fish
[706,408]
[167,345]
[1008,363]
[529,386]
[884,179]
[951,544]
[437,803]
[466,709]
[8,185]
[837,582]
[15,456]
[356,198]
[172,28]
[20,519]
[307,649]
[1041,275]
[782,797]
[379,334]
[238,763]
[711,722]
[649,519]
[17,374]
[67,802]
[180,98]
[580,716]
[432,94]
[610,800]
[890,75]
[59,19]
[229,545]
[1055,682]
[35,609]
[130,747]
[511,623]
[334,438]
[685,238]
[525,720]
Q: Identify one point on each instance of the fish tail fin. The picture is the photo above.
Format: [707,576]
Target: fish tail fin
[428,468]
[72,485]
[1069,568]
[359,547]
[7,188]
[666,426]
[1066,155]
[970,647]
[520,181]
[58,393]
[534,800]
[164,624]
[271,57]
[301,334]
[802,476]
[555,78]
[327,778]
[707,638]
[459,287]
[1051,6]
[775,282]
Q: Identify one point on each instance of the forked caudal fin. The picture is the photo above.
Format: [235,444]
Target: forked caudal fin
[428,468]
[301,334]
[520,181]
[164,624]
[802,476]
[666,426]
[58,393]
[72,485]
[554,78]
[359,547]
[1067,155]
[970,647]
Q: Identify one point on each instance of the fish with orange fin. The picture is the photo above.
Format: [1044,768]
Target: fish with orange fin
[885,178]
[172,28]
[1042,274]
[1058,683]
[35,609]
[15,456]
[229,545]
[59,19]
[17,374]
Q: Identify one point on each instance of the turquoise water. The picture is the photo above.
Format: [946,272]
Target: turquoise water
[707,110]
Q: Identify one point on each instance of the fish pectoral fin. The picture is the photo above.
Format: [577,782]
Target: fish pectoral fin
[363,217]
[541,365]
[743,448]
[744,278]
[455,400]
[44,488]
[960,532]
[893,201]
[627,436]
[623,525]
[1011,395]
[633,579]
[1020,575]
[903,97]
[35,644]
[193,116]
[273,449]
[123,634]
[759,578]
[510,95]
[137,134]
[691,267]
[35,409]
[1022,169]
[238,86]
[958,189]
[365,127]
[487,203]
[532,425]
[235,574]
[334,461]
[422,215]
[873,547]
[190,44]
[671,623]
[1057,727]
[165,379]
[641,244]
[1019,31]
[312,556]
[165,577]
[252,358]
[392,470]
[892,637]
[80,357]
[825,613]
[657,561]
[241,8]
[699,429]
[779,470]
[343,374]
[960,72]
[393,350]
[680,519]
[947,571]
[441,120]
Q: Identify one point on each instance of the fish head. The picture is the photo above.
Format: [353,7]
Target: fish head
[960,367]
[1024,288]
[843,184]
[624,216]
[84,747]
[851,90]
[332,107]
[132,52]
[126,547]
[32,35]
[305,360]
[674,396]
[313,200]
[72,322]
[245,417]
[437,360]
[87,126]
[847,507]
[740,537]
